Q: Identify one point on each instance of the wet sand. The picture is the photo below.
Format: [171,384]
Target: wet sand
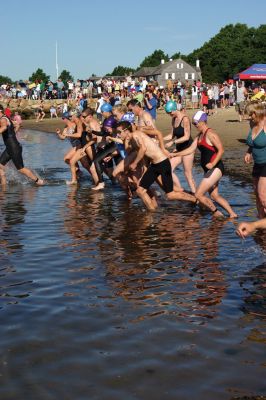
[225,122]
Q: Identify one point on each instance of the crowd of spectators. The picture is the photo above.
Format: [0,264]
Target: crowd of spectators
[193,95]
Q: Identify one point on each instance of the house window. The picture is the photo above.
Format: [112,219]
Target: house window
[179,66]
[170,75]
[191,75]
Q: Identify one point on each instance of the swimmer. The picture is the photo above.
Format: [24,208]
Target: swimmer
[211,148]
[146,124]
[160,167]
[181,137]
[245,229]
[73,131]
[13,151]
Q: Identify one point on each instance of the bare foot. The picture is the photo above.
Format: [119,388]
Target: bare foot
[233,215]
[99,186]
[71,182]
[39,182]
[217,214]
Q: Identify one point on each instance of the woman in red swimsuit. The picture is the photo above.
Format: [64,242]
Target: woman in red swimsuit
[211,148]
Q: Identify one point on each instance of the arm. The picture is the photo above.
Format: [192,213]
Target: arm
[3,125]
[246,228]
[191,149]
[147,103]
[158,134]
[215,140]
[114,139]
[248,155]
[141,151]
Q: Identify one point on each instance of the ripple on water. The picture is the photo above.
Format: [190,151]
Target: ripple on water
[100,299]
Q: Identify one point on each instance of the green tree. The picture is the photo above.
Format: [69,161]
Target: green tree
[176,55]
[66,76]
[154,59]
[39,75]
[233,49]
[5,79]
[121,71]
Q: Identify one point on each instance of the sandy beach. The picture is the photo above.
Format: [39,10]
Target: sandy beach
[225,122]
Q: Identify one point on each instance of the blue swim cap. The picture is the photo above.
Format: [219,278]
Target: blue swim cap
[170,106]
[106,107]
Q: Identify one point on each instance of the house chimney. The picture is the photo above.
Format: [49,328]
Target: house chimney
[197,64]
[162,61]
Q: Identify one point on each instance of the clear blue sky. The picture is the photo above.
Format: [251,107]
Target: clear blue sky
[96,36]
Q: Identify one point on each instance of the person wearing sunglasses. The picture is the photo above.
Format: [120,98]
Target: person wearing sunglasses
[211,149]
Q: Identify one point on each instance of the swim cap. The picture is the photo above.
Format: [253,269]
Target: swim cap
[170,106]
[109,122]
[200,116]
[106,107]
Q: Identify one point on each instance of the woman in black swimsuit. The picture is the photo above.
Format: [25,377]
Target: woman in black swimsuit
[181,137]
[13,151]
[211,148]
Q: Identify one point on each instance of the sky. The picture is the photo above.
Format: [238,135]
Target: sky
[95,36]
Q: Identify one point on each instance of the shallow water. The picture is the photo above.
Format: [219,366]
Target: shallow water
[100,299]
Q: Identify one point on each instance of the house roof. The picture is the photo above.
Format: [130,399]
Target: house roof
[148,71]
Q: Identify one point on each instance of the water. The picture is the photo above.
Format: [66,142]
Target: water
[100,299]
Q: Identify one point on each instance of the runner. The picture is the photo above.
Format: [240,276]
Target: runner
[73,131]
[211,148]
[181,136]
[146,124]
[13,151]
[160,166]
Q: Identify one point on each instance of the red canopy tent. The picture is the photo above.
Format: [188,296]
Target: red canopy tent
[255,72]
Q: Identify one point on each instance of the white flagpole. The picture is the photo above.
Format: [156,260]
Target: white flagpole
[56,61]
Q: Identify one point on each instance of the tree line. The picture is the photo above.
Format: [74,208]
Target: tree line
[233,49]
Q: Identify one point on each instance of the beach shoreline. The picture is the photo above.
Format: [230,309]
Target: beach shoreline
[232,133]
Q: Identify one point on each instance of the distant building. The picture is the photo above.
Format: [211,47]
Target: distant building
[173,70]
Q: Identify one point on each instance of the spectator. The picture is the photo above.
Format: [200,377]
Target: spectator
[53,112]
[150,104]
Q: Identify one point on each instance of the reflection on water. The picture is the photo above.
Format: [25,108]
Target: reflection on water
[101,299]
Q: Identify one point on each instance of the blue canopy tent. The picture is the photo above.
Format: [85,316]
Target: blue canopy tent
[255,72]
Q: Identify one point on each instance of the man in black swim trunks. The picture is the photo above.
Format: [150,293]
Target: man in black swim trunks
[13,151]
[160,167]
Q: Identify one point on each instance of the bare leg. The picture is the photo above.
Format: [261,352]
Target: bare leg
[142,193]
[262,196]
[224,203]
[29,174]
[2,175]
[188,165]
[174,163]
[205,185]
[73,161]
[181,196]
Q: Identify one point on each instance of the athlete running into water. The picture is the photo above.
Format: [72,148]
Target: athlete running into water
[13,151]
[160,167]
[211,148]
[181,137]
